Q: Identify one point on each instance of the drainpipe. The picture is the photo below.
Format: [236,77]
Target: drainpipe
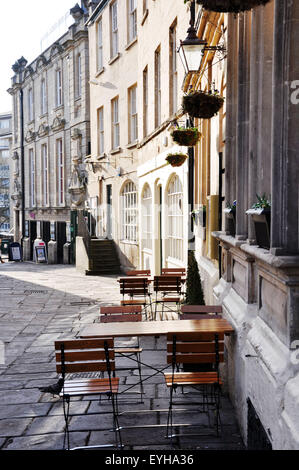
[191,184]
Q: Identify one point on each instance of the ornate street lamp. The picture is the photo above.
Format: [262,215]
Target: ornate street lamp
[192,48]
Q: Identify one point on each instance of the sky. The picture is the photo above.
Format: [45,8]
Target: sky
[23,24]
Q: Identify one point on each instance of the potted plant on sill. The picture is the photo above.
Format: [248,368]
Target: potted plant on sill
[186,136]
[199,215]
[230,6]
[230,212]
[261,216]
[201,104]
[176,159]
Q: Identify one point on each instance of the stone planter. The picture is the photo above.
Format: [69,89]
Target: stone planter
[262,223]
[230,215]
[202,105]
[231,6]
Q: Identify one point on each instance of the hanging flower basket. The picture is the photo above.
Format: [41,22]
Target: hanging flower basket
[231,6]
[176,159]
[186,136]
[200,104]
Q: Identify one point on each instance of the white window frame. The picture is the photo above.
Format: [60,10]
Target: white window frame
[158,109]
[175,219]
[30,104]
[45,174]
[32,177]
[60,172]
[133,115]
[100,62]
[101,130]
[146,223]
[173,86]
[78,75]
[132,20]
[43,98]
[115,123]
[145,101]
[129,213]
[58,81]
[114,29]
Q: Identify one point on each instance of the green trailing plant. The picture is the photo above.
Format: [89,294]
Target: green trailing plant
[176,159]
[194,291]
[229,6]
[201,104]
[186,136]
[262,202]
[232,206]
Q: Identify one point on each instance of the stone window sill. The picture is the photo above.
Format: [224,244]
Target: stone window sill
[132,145]
[145,15]
[116,150]
[114,59]
[130,44]
[99,72]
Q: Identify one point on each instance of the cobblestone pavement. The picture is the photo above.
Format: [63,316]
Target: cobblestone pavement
[40,304]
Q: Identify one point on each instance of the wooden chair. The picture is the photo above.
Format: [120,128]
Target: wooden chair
[194,312]
[173,271]
[129,313]
[88,355]
[195,347]
[166,286]
[138,272]
[135,288]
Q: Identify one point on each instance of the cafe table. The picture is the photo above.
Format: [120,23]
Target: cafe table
[155,328]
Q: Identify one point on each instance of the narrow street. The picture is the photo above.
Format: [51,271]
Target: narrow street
[42,303]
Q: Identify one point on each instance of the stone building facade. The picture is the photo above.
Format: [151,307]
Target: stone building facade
[5,172]
[258,257]
[135,94]
[51,135]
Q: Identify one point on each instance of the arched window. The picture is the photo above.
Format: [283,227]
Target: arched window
[147,218]
[175,219]
[129,212]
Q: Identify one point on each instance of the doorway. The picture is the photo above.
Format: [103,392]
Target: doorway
[109,211]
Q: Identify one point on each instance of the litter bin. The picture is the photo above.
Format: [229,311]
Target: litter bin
[4,246]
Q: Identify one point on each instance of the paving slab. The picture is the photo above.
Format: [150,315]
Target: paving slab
[31,321]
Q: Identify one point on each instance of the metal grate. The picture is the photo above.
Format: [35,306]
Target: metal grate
[257,438]
[29,292]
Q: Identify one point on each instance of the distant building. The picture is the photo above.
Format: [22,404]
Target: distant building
[5,144]
[50,137]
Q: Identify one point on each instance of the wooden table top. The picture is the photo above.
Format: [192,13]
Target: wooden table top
[213,325]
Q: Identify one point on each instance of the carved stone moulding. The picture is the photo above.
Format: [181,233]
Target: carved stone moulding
[30,136]
[43,130]
[58,124]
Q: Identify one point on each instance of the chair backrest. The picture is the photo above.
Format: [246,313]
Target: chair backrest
[173,271]
[121,314]
[198,316]
[134,287]
[167,284]
[138,272]
[195,347]
[86,355]
[201,309]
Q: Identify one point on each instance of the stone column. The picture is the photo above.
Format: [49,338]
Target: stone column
[285,136]
[242,127]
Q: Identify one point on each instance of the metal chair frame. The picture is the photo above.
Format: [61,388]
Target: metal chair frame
[167,285]
[136,287]
[126,314]
[99,357]
[194,347]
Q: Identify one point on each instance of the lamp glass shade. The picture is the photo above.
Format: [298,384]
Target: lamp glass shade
[191,55]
